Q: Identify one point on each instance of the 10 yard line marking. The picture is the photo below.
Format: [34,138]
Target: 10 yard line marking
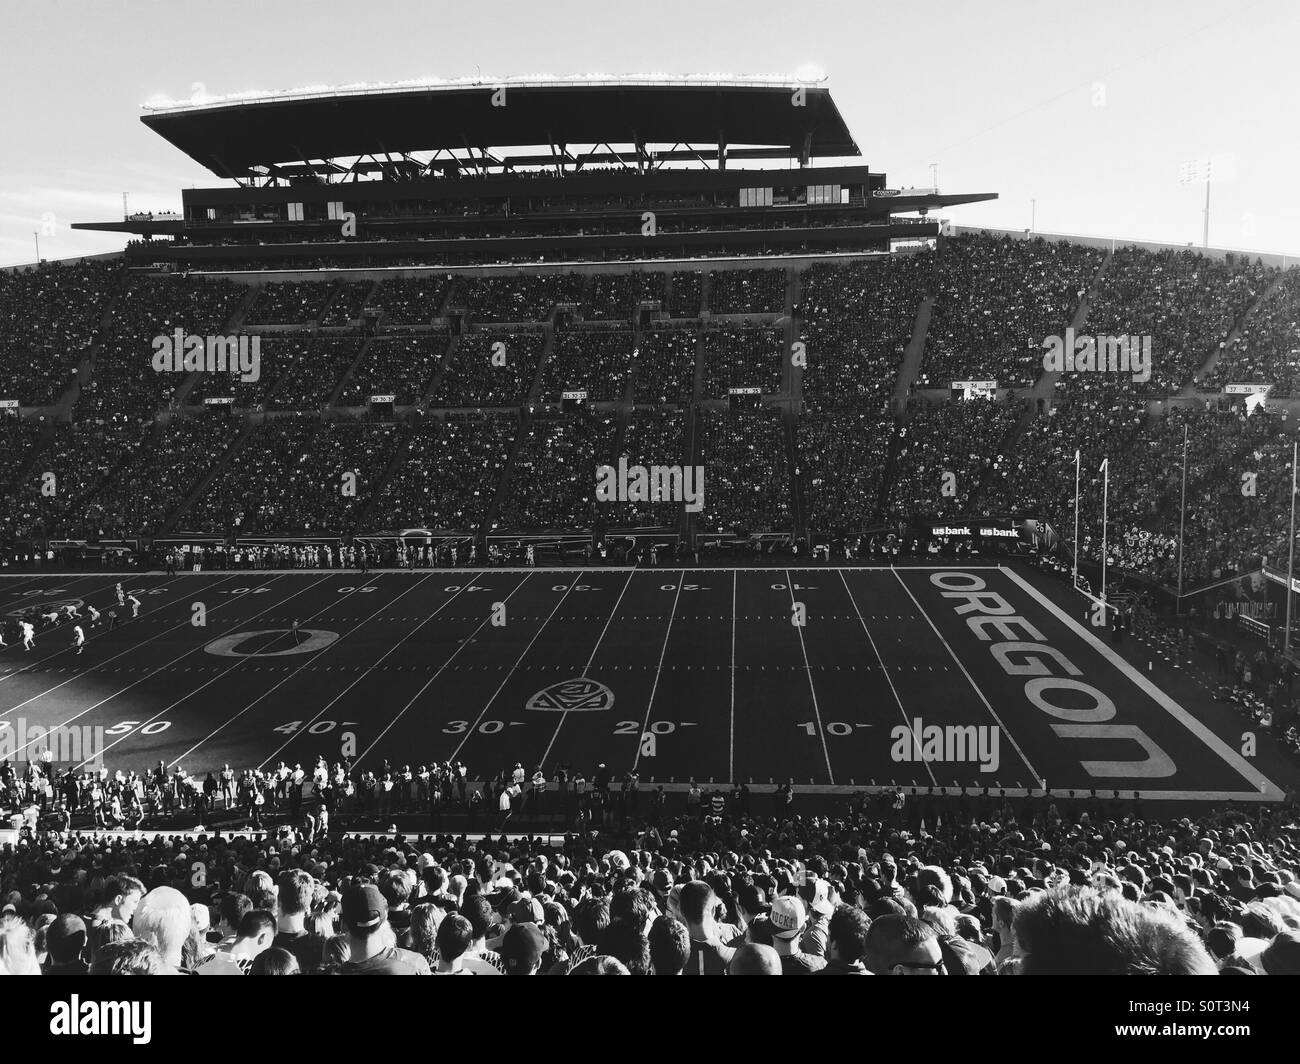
[655,686]
[885,671]
[1005,731]
[586,668]
[789,583]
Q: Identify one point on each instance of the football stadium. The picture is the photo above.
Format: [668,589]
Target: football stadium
[604,524]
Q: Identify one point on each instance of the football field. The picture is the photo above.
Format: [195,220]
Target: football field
[966,675]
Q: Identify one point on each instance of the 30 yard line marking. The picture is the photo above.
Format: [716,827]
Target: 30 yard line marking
[645,727]
[884,669]
[518,661]
[586,668]
[974,686]
[830,772]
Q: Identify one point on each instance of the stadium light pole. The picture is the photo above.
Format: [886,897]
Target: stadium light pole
[37,235]
[1290,562]
[934,176]
[1033,215]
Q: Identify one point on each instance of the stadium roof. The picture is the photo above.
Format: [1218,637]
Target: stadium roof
[234,136]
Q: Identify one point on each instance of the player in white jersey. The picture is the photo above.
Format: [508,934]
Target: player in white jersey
[94,614]
[121,598]
[135,606]
[29,634]
[51,617]
[71,611]
[78,638]
[2,636]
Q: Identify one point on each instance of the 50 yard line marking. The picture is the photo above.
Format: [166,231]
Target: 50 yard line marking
[789,583]
[587,668]
[645,727]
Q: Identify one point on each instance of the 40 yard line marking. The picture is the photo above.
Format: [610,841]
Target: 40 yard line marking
[731,744]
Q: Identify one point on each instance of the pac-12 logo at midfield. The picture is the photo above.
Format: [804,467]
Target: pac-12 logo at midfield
[35,605]
[568,696]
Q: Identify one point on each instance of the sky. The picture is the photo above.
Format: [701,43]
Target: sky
[1079,116]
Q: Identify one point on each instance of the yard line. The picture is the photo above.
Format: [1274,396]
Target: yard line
[242,661]
[731,746]
[89,638]
[371,668]
[645,727]
[154,672]
[311,660]
[789,583]
[884,669]
[974,686]
[442,668]
[586,668]
[100,665]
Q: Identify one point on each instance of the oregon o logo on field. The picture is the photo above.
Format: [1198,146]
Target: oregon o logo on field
[581,695]
[36,605]
[309,641]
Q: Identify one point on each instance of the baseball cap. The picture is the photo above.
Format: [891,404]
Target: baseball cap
[787,916]
[527,911]
[364,907]
[522,948]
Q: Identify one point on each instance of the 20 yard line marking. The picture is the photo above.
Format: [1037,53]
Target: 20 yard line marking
[789,583]
[655,686]
[599,639]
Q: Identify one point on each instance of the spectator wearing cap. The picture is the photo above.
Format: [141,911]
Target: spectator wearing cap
[522,948]
[163,919]
[1087,933]
[699,905]
[365,918]
[755,959]
[65,942]
[255,935]
[670,946]
[846,942]
[789,920]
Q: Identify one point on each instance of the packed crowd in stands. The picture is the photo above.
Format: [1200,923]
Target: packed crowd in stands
[490,368]
[741,357]
[1185,301]
[746,472]
[346,305]
[519,298]
[448,478]
[289,303]
[665,366]
[410,300]
[1267,351]
[553,484]
[897,883]
[49,317]
[746,291]
[842,464]
[597,361]
[616,296]
[994,302]
[401,366]
[962,438]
